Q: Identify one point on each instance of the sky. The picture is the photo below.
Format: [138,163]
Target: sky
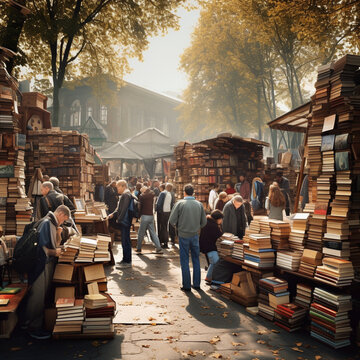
[159,70]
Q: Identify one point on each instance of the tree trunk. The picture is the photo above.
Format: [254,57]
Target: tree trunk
[56,105]
[12,32]
[258,95]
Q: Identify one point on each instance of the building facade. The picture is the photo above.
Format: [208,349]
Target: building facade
[133,110]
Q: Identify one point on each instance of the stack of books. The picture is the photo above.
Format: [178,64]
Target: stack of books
[87,250]
[260,253]
[265,225]
[335,271]
[336,238]
[102,252]
[317,226]
[330,322]
[98,326]
[95,301]
[309,261]
[340,206]
[70,316]
[225,248]
[290,316]
[303,295]
[288,259]
[70,249]
[238,249]
[298,232]
[280,232]
[272,292]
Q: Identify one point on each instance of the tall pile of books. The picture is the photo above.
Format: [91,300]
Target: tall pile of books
[289,259]
[87,250]
[70,316]
[260,252]
[290,316]
[272,292]
[303,295]
[238,248]
[265,225]
[218,160]
[70,249]
[336,238]
[335,271]
[317,227]
[330,322]
[280,232]
[64,154]
[15,211]
[298,232]
[309,261]
[225,247]
[102,252]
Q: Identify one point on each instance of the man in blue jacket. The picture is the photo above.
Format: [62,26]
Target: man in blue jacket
[41,277]
[188,215]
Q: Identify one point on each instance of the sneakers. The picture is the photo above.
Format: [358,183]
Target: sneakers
[159,251]
[185,289]
[123,265]
[198,288]
[40,334]
[138,251]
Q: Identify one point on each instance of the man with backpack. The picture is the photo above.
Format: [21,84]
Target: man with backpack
[40,276]
[124,214]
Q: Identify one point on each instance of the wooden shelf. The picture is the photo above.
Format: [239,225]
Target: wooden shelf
[242,263]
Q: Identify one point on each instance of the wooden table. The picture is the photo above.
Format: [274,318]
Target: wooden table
[100,226]
[8,316]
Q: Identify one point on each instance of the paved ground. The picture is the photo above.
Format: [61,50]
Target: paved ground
[203,325]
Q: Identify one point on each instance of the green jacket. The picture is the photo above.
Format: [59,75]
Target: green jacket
[188,215]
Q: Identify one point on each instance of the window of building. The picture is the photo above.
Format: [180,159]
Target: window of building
[103,114]
[75,116]
[89,111]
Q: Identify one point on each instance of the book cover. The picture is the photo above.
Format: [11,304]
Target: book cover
[342,142]
[342,160]
[327,142]
[10,290]
[329,123]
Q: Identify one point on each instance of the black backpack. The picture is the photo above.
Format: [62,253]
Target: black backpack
[25,251]
[133,209]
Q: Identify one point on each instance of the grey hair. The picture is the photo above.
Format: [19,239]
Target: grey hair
[48,185]
[63,209]
[238,198]
[122,183]
[55,181]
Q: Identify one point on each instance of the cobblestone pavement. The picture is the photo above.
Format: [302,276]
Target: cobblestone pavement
[202,324]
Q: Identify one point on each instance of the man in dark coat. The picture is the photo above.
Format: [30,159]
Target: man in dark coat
[234,217]
[111,197]
[51,200]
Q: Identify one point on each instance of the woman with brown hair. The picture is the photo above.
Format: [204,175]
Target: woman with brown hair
[275,202]
[221,201]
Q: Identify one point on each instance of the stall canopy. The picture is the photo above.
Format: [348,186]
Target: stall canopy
[295,120]
[150,143]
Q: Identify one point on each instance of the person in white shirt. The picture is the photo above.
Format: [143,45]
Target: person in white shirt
[213,196]
[164,206]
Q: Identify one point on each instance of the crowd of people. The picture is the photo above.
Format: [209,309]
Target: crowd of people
[161,217]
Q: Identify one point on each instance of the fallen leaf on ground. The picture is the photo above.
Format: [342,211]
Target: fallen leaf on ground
[298,344]
[221,307]
[318,357]
[275,331]
[237,344]
[225,315]
[165,297]
[235,334]
[149,302]
[297,349]
[200,352]
[151,318]
[205,307]
[130,278]
[261,332]
[275,352]
[216,356]
[214,340]
[95,343]
[261,341]
[145,346]
[105,342]
[153,324]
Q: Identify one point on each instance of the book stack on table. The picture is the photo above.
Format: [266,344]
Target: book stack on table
[260,252]
[335,271]
[280,232]
[290,316]
[102,252]
[309,261]
[330,322]
[87,250]
[70,316]
[238,249]
[226,245]
[265,225]
[272,292]
[288,259]
[298,232]
[336,238]
[303,295]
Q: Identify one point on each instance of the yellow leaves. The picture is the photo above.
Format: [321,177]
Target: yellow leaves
[237,344]
[214,340]
[225,314]
[216,356]
[297,349]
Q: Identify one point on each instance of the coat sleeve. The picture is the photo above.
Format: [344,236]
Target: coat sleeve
[160,202]
[69,204]
[174,215]
[123,206]
[44,207]
[203,221]
[226,220]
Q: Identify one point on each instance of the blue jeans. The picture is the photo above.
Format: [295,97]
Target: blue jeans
[213,257]
[126,243]
[147,223]
[192,245]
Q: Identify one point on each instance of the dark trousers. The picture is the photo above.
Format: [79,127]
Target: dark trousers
[163,227]
[172,233]
[126,243]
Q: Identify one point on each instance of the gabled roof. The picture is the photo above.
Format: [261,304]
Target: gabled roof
[118,151]
[94,129]
[150,143]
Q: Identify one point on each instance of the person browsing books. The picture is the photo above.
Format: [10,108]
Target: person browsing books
[275,202]
[234,217]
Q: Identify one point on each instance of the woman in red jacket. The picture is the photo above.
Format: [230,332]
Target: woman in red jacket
[208,236]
